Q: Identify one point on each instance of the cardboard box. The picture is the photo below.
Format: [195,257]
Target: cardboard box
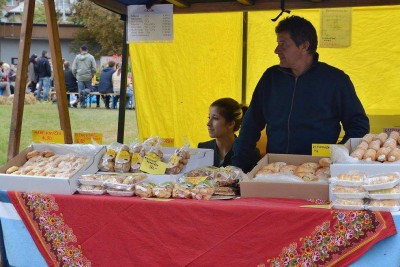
[284,189]
[369,168]
[50,185]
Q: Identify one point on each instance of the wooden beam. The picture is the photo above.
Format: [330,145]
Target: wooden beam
[58,73]
[179,3]
[246,2]
[259,5]
[22,76]
[113,6]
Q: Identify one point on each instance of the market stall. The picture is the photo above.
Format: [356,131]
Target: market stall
[108,230]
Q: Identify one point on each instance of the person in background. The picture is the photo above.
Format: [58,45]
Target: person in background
[225,118]
[4,85]
[105,82]
[12,76]
[116,81]
[84,68]
[44,74]
[32,73]
[71,84]
[301,101]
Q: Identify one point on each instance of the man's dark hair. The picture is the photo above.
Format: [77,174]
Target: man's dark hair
[84,48]
[111,64]
[66,65]
[44,52]
[300,30]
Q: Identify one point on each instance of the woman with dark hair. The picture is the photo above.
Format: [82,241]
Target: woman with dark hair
[32,73]
[225,118]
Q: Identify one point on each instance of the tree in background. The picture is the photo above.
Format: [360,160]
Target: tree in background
[102,31]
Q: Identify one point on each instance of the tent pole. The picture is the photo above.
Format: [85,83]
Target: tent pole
[122,96]
[244,57]
[22,76]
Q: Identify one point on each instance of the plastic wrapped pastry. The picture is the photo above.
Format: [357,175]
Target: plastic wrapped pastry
[144,189]
[163,190]
[178,160]
[182,190]
[123,160]
[107,161]
[202,191]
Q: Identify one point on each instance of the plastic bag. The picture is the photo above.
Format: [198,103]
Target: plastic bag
[107,161]
[178,159]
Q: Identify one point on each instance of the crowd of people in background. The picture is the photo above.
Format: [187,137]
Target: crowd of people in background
[79,78]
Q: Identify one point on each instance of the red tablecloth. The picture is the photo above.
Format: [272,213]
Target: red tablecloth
[114,231]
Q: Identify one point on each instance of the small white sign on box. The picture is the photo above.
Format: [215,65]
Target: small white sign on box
[154,24]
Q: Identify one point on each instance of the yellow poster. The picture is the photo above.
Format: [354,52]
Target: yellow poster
[335,27]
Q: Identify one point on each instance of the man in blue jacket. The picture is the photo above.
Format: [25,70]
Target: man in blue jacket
[44,73]
[301,101]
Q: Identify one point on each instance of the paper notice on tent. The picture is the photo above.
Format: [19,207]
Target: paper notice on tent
[335,27]
[153,24]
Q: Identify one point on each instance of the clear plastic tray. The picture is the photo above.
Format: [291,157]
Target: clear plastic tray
[90,182]
[336,181]
[389,209]
[381,186]
[118,193]
[91,192]
[351,195]
[384,196]
[348,207]
[118,186]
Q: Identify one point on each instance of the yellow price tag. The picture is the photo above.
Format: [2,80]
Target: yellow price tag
[152,166]
[48,136]
[168,142]
[321,150]
[88,138]
[195,180]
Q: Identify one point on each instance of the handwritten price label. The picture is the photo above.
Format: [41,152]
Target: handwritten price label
[48,136]
[88,138]
[321,150]
[196,180]
[152,166]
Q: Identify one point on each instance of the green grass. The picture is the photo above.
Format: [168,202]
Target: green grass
[45,117]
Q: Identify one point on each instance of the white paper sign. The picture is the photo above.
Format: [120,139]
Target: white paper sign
[150,25]
[335,27]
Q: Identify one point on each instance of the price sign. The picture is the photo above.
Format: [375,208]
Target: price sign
[195,180]
[48,136]
[321,150]
[88,138]
[389,130]
[152,166]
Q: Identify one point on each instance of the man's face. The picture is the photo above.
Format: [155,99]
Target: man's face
[289,54]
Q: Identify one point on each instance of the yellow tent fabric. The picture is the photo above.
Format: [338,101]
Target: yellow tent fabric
[176,82]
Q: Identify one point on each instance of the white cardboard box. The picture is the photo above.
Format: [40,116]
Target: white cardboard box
[50,185]
[369,168]
[283,189]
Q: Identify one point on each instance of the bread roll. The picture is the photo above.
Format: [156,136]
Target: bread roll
[363,145]
[394,135]
[370,154]
[288,169]
[394,155]
[368,138]
[325,162]
[381,137]
[382,153]
[390,142]
[376,144]
[358,153]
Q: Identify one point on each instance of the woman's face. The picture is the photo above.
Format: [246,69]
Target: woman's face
[217,125]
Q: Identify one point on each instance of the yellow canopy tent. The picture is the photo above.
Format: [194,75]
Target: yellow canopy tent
[176,82]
